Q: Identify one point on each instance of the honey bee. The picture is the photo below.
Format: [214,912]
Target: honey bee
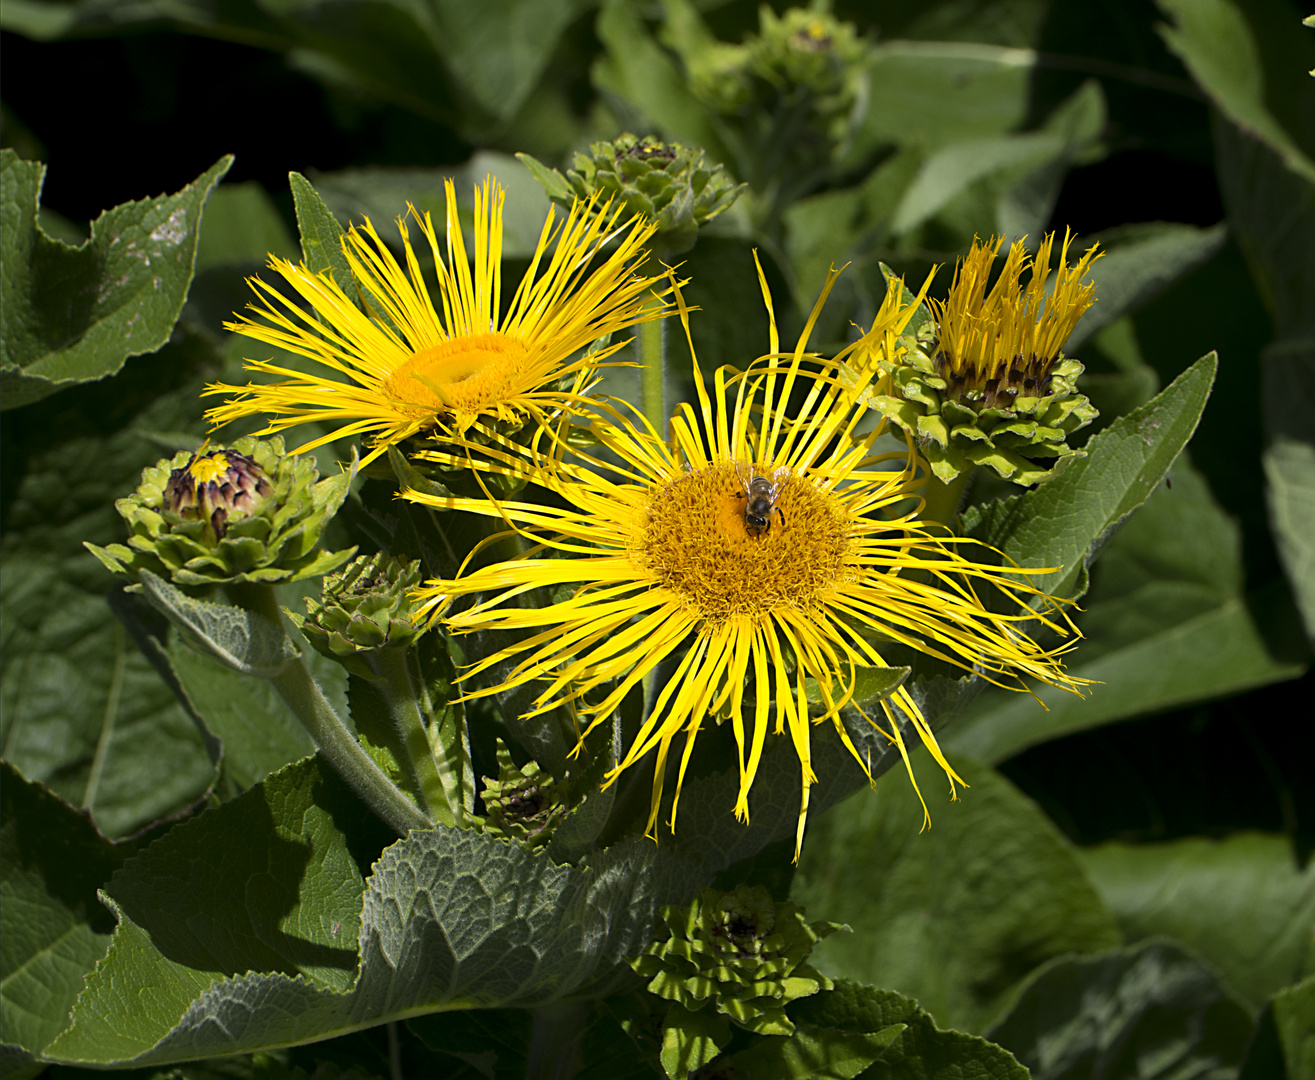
[760,494]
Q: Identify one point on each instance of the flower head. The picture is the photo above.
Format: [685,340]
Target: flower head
[401,368]
[742,952]
[667,183]
[247,513]
[762,550]
[993,387]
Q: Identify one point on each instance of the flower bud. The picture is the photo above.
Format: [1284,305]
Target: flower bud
[523,804]
[363,607]
[740,951]
[667,183]
[246,513]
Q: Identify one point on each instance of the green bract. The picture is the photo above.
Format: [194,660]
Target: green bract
[740,951]
[364,606]
[956,432]
[523,804]
[244,514]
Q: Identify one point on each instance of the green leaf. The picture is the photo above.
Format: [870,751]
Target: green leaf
[83,711]
[450,919]
[554,184]
[1166,623]
[259,733]
[1218,43]
[1139,263]
[74,314]
[242,225]
[692,1039]
[52,929]
[942,92]
[1272,211]
[920,1051]
[1154,1011]
[820,1053]
[383,194]
[1065,522]
[651,82]
[240,639]
[495,51]
[1284,1044]
[954,915]
[321,236]
[1242,903]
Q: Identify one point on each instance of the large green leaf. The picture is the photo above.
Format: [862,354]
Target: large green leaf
[449,919]
[383,194]
[1139,263]
[1065,522]
[1283,1047]
[955,915]
[1167,622]
[649,81]
[1272,210]
[1154,1012]
[259,734]
[74,314]
[242,225]
[921,1051]
[1251,60]
[84,711]
[52,929]
[1243,903]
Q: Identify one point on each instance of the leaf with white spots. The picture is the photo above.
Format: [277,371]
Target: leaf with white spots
[75,314]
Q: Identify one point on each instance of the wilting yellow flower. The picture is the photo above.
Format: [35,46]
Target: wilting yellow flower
[766,551]
[994,387]
[404,368]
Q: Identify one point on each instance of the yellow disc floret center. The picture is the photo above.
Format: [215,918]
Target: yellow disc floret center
[699,542]
[463,375]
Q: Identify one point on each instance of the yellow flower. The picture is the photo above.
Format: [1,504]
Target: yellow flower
[1000,346]
[767,552]
[402,367]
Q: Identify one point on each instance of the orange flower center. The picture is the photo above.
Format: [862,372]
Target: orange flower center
[465,375]
[708,539]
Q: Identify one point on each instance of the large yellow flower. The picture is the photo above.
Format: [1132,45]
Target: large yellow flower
[769,551]
[401,367]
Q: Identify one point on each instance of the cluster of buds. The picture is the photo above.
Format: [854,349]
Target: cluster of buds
[805,56]
[990,385]
[740,952]
[246,513]
[523,804]
[364,607]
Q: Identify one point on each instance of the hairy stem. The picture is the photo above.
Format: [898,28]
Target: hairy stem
[652,374]
[339,747]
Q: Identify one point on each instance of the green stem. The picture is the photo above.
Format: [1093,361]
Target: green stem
[339,747]
[652,376]
[401,687]
[944,500]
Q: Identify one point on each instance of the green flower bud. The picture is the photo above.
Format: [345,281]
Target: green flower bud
[363,607]
[223,516]
[740,951]
[523,804]
[812,52]
[665,182]
[987,383]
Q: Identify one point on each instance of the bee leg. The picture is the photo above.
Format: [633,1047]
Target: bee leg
[782,513]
